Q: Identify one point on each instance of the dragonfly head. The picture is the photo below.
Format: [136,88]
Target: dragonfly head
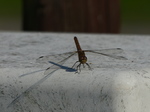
[83,59]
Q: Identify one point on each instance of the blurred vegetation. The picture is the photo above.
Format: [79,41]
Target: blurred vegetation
[10,15]
[10,8]
[135,10]
[135,17]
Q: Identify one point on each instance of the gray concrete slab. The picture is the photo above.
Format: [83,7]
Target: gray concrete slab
[112,86]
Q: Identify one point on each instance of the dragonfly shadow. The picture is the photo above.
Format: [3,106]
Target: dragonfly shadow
[68,69]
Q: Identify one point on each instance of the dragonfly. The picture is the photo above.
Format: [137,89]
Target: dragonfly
[82,59]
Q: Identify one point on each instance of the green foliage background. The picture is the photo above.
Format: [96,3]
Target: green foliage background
[135,10]
[10,8]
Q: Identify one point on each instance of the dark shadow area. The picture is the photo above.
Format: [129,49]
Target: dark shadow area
[68,69]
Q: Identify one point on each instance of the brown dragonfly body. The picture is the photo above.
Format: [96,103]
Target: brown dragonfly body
[81,55]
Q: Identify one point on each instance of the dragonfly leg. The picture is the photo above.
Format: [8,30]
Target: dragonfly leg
[74,64]
[78,68]
[89,66]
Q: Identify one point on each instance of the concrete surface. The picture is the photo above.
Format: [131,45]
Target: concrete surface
[112,86]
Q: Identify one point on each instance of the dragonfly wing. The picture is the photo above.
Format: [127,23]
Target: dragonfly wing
[55,58]
[23,94]
[58,64]
[113,53]
[108,51]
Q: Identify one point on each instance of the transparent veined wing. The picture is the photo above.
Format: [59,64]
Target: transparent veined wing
[113,53]
[57,58]
[26,92]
